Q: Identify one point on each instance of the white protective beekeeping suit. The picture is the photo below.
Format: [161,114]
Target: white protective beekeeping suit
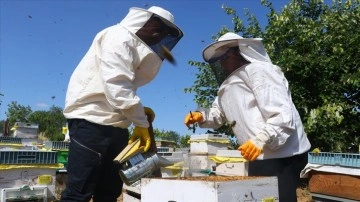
[256,98]
[102,89]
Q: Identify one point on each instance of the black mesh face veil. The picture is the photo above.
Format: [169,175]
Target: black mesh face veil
[215,64]
[218,72]
[222,53]
[165,34]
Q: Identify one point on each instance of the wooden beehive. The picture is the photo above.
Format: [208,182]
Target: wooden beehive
[335,185]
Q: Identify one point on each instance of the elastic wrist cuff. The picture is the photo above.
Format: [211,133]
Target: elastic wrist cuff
[262,138]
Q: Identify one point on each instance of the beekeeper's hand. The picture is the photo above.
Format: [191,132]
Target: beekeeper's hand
[149,113]
[193,117]
[143,135]
[252,148]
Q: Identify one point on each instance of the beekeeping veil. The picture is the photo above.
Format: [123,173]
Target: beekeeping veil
[137,18]
[150,54]
[251,49]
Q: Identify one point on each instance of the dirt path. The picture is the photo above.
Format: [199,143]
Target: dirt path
[303,195]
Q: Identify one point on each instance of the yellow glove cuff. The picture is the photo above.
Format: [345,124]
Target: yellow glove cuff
[142,134]
[149,113]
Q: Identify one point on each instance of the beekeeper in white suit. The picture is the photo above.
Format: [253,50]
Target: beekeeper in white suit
[101,100]
[254,98]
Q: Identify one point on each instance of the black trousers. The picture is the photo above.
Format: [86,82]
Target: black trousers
[91,171]
[287,171]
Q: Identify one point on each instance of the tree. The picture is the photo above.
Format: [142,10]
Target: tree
[50,122]
[316,45]
[184,141]
[2,125]
[168,135]
[319,51]
[17,112]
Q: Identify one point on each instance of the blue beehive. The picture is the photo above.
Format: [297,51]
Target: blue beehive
[337,159]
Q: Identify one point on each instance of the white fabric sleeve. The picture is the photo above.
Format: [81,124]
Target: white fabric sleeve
[260,140]
[274,102]
[213,118]
[137,114]
[117,72]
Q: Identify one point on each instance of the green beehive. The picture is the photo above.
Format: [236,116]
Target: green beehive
[63,157]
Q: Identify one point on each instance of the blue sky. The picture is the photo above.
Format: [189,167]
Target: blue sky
[42,41]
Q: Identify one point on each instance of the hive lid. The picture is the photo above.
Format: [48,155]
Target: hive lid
[209,136]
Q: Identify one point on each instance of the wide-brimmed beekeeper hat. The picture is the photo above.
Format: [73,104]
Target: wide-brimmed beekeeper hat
[252,49]
[165,15]
[137,18]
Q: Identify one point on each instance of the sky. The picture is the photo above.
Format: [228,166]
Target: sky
[42,41]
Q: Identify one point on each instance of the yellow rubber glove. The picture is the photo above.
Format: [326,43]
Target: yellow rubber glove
[143,135]
[192,118]
[252,148]
[249,150]
[149,113]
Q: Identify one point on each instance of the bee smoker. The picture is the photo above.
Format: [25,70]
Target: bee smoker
[141,165]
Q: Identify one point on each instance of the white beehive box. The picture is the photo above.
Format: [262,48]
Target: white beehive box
[15,143]
[34,142]
[232,169]
[198,164]
[131,193]
[165,149]
[172,156]
[171,172]
[229,153]
[24,193]
[26,130]
[33,177]
[208,143]
[175,170]
[205,190]
[12,147]
[230,163]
